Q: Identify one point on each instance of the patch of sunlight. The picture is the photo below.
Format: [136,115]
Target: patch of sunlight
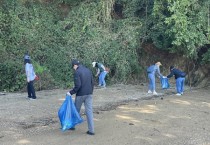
[148,109]
[152,107]
[169,135]
[125,117]
[131,119]
[144,138]
[96,119]
[178,117]
[61,99]
[207,104]
[145,109]
[136,121]
[23,141]
[128,108]
[177,101]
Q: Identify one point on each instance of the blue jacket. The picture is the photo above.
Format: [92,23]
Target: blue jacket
[154,69]
[176,73]
[83,81]
[157,71]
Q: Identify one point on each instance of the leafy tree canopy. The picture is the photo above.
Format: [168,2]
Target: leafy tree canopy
[109,31]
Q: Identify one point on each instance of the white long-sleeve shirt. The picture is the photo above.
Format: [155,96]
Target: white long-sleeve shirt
[30,74]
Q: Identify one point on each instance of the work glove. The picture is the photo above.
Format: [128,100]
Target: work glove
[68,94]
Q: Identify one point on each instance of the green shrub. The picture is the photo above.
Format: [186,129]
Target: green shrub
[12,76]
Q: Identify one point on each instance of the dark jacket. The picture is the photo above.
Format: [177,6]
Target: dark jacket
[83,81]
[176,73]
[100,67]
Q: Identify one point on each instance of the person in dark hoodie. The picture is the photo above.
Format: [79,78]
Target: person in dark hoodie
[180,79]
[83,88]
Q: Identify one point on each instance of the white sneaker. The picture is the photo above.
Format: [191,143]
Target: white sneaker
[149,92]
[155,93]
[32,99]
[178,94]
[103,87]
[182,93]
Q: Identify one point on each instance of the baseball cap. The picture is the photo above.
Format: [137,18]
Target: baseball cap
[26,56]
[158,63]
[171,67]
[75,62]
[94,64]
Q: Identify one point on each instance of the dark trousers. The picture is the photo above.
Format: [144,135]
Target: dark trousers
[31,90]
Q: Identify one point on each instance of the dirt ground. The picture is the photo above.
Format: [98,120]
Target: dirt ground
[123,115]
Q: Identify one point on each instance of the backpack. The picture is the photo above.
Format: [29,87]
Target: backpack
[150,69]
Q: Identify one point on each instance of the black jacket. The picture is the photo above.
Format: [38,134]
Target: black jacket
[176,73]
[83,81]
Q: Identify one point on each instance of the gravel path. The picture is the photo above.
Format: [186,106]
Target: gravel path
[123,114]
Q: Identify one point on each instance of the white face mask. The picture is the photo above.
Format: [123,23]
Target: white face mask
[75,67]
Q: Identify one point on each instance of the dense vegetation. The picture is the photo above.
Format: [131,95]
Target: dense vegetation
[110,31]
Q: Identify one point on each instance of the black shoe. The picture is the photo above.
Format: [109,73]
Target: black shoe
[90,133]
[72,128]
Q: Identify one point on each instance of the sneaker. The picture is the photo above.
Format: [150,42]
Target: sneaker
[103,86]
[178,94]
[90,133]
[155,93]
[149,92]
[182,93]
[32,99]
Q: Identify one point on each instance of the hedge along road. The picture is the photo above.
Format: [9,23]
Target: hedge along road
[123,115]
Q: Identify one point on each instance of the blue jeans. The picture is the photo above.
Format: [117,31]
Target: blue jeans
[88,103]
[31,90]
[151,77]
[180,85]
[101,78]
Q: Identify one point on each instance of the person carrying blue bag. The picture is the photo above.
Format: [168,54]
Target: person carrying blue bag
[180,79]
[83,88]
[68,115]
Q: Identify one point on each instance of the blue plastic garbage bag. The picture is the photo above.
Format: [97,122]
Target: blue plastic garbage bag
[164,83]
[68,115]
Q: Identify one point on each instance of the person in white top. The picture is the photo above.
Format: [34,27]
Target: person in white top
[30,77]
